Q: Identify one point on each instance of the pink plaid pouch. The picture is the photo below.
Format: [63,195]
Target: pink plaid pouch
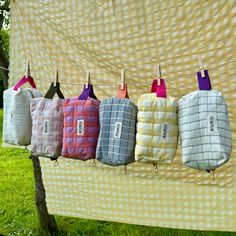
[47,129]
[81,128]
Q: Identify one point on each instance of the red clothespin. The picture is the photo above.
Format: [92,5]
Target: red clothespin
[158,84]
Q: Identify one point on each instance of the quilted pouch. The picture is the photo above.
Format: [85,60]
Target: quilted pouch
[81,126]
[157,127]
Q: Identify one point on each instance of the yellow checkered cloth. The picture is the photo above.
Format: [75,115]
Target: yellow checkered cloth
[106,36]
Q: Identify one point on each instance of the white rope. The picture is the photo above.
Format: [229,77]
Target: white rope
[168,78]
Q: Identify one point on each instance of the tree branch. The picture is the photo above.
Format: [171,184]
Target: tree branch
[47,222]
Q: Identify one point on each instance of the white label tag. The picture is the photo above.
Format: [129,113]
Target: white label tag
[80,127]
[118,129]
[46,127]
[212,123]
[164,131]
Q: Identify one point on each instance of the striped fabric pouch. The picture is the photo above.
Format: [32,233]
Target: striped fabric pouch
[157,127]
[116,141]
[47,129]
[81,128]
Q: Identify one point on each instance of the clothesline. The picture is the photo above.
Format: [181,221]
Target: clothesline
[168,78]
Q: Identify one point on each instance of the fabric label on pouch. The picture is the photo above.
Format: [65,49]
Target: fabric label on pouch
[164,131]
[46,127]
[80,127]
[212,123]
[118,128]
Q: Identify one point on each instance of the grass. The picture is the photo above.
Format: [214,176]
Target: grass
[18,214]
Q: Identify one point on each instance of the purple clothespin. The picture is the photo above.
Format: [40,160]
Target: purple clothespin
[88,89]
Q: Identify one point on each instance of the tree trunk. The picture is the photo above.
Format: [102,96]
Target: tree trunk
[47,222]
[4,63]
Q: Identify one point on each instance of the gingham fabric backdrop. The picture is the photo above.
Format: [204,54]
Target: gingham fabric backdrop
[106,36]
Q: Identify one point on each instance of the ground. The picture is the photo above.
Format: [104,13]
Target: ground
[18,214]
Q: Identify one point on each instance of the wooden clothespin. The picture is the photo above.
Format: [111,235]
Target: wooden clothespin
[27,73]
[87,79]
[122,88]
[57,79]
[158,74]
[122,80]
[201,67]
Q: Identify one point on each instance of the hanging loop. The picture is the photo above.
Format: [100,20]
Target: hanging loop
[159,90]
[213,175]
[125,170]
[94,163]
[56,163]
[155,168]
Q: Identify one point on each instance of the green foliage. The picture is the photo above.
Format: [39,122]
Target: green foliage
[4,37]
[4,42]
[18,214]
[5,14]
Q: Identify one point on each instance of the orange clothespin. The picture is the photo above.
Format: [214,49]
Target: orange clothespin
[122,88]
